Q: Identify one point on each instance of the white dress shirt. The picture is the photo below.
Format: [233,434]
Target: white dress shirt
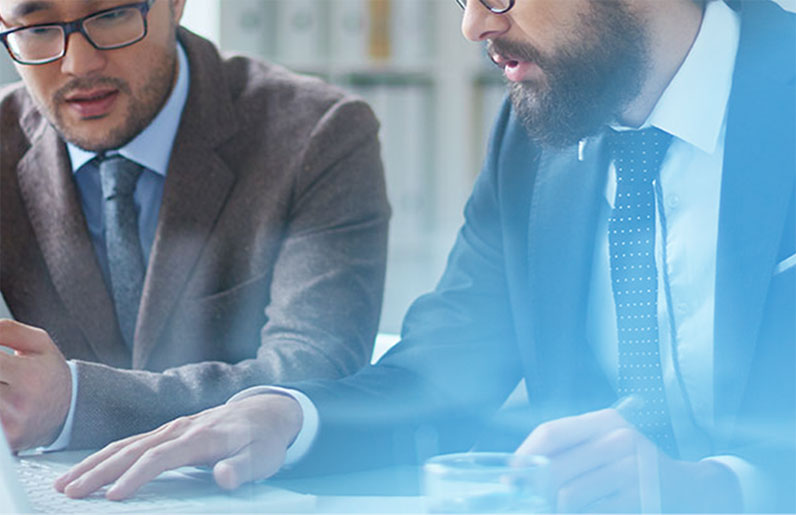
[693,109]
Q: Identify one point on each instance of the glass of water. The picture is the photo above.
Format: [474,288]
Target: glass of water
[487,482]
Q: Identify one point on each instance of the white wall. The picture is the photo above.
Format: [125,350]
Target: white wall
[7,73]
[788,4]
[202,17]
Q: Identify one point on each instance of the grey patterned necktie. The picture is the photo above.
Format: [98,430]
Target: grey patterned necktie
[123,246]
[637,156]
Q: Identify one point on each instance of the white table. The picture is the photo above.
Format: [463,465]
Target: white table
[379,491]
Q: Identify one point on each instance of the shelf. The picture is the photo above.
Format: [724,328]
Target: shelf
[434,93]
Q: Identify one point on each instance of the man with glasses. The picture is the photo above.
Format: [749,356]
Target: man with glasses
[177,225]
[629,250]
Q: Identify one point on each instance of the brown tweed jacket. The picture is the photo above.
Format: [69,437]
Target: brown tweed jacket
[268,260]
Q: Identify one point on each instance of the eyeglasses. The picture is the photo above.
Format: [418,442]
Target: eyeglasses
[108,29]
[496,6]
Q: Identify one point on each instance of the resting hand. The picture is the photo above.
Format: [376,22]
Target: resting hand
[599,463]
[243,441]
[35,386]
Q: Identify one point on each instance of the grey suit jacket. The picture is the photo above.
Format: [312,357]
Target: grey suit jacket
[267,264]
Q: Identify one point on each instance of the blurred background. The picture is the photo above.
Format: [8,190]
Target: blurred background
[434,93]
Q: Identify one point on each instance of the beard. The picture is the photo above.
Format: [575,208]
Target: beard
[143,106]
[587,83]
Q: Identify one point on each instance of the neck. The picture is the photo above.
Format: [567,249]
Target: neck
[672,29]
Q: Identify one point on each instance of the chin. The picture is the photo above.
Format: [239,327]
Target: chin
[91,143]
[96,135]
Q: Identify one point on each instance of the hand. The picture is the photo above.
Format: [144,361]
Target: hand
[35,386]
[243,441]
[600,463]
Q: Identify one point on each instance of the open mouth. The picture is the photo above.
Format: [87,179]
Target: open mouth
[94,103]
[515,70]
[499,60]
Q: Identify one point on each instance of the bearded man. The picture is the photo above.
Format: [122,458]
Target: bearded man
[628,250]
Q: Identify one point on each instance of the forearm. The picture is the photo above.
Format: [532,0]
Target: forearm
[113,403]
[389,415]
[328,280]
[65,434]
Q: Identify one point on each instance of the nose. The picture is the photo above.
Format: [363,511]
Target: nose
[480,24]
[81,59]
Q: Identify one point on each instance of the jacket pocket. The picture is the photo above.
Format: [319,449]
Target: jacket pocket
[224,326]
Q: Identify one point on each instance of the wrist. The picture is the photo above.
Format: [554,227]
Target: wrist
[290,417]
[50,439]
[58,412]
[278,411]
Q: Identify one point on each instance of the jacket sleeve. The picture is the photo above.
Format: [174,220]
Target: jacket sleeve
[455,365]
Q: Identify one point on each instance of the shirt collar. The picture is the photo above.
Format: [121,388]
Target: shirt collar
[694,104]
[152,147]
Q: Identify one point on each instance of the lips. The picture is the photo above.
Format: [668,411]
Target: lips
[516,70]
[94,103]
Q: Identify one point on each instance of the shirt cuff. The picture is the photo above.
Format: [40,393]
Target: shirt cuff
[756,489]
[65,437]
[309,427]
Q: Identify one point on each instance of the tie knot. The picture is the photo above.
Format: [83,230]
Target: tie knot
[651,137]
[638,153]
[118,176]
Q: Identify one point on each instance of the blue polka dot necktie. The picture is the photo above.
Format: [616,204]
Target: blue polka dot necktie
[123,246]
[637,157]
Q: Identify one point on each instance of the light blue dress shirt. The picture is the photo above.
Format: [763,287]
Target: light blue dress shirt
[152,150]
[693,109]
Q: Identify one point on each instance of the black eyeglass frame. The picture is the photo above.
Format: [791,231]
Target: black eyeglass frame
[71,27]
[463,5]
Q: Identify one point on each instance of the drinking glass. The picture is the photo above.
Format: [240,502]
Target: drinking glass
[487,482]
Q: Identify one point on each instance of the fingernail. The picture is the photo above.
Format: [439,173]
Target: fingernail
[72,490]
[113,494]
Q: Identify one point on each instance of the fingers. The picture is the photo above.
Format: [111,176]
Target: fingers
[558,435]
[615,479]
[107,465]
[592,455]
[196,440]
[23,338]
[250,464]
[155,460]
[36,388]
[250,437]
[593,458]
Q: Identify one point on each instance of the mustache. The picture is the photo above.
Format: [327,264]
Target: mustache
[82,83]
[515,50]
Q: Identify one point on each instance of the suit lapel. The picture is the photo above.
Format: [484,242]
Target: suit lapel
[757,185]
[195,192]
[196,189]
[561,240]
[54,210]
